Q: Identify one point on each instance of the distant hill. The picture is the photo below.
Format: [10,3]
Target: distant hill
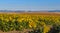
[12,11]
[54,11]
[29,11]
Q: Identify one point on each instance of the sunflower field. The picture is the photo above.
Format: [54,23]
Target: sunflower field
[38,23]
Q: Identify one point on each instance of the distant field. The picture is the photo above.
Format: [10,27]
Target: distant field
[32,13]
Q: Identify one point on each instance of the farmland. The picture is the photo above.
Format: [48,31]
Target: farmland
[39,22]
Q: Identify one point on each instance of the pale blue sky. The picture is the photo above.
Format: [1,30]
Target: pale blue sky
[30,4]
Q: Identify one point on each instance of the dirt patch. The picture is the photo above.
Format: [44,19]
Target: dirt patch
[24,31]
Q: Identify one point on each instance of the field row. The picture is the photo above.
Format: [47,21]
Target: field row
[39,23]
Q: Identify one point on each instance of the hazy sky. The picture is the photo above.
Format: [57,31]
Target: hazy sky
[30,4]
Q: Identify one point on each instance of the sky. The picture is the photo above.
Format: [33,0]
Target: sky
[29,4]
